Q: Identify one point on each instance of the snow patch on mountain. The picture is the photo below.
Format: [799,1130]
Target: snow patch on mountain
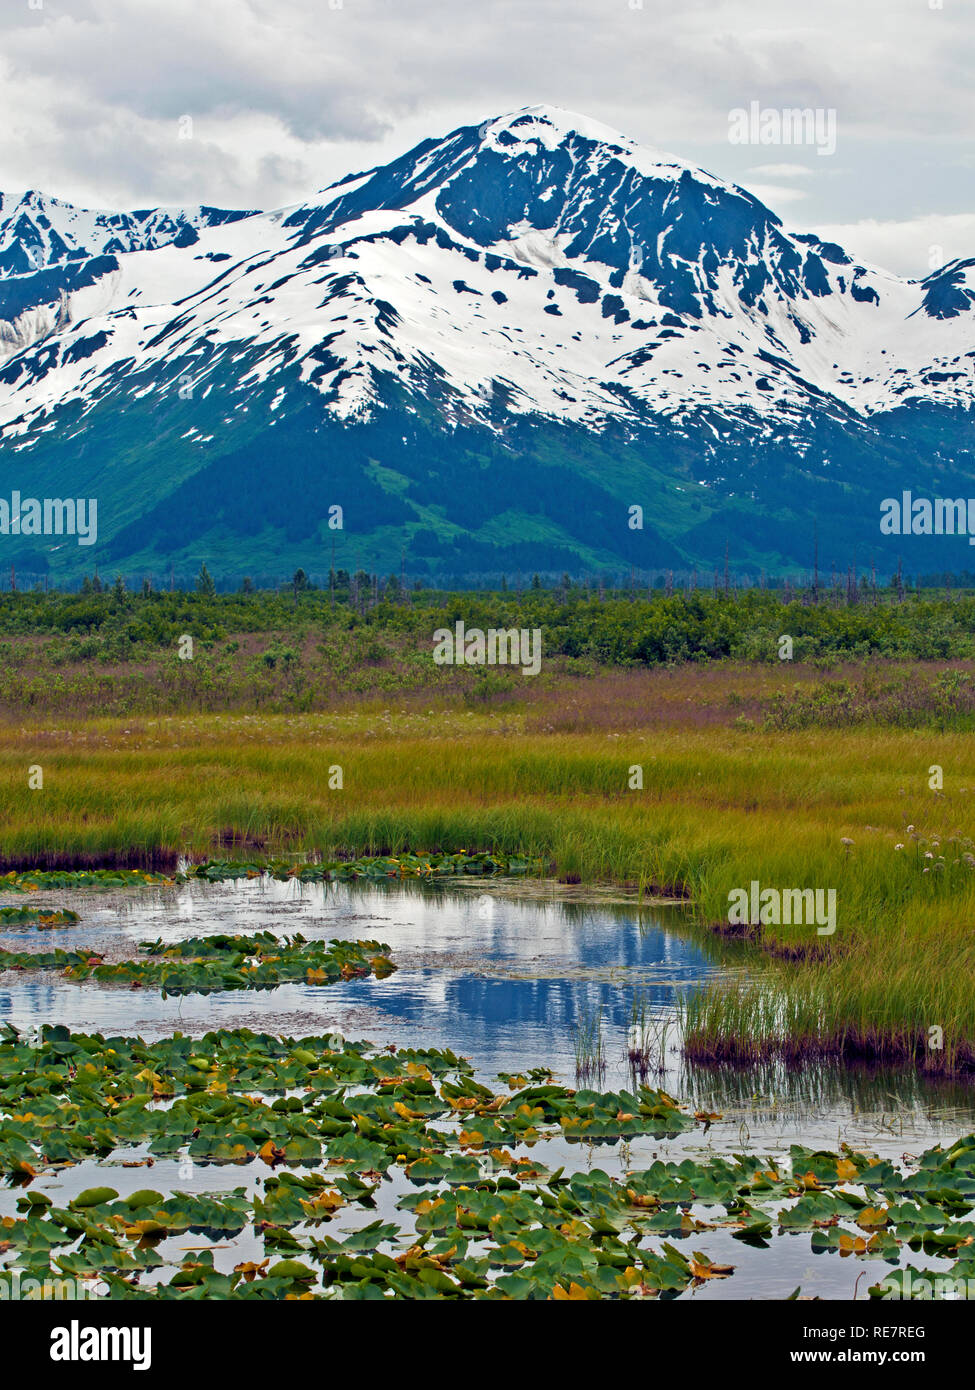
[539,264]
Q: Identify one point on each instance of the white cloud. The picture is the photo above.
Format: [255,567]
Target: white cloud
[913,247]
[782,171]
[286,95]
[771,194]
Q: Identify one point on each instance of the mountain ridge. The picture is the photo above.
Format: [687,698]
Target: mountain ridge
[538,285]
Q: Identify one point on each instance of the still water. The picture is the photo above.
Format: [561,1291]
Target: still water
[503,973]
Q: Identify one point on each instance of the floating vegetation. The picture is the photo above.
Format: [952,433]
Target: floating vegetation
[368,866]
[482,1221]
[34,880]
[44,919]
[74,1095]
[205,964]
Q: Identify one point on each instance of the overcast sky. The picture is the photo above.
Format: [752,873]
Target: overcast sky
[258,103]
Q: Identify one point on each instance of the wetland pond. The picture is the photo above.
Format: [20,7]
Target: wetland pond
[501,972]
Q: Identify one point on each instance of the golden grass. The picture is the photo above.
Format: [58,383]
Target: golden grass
[719,807]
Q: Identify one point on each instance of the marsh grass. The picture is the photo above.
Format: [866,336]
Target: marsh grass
[883,1012]
[646,1040]
[718,808]
[588,1040]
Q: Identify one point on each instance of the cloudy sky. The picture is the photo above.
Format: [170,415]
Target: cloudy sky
[257,103]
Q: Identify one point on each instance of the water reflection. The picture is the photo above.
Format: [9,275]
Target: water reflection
[502,973]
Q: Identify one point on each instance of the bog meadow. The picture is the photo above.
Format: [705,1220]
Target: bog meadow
[333,970]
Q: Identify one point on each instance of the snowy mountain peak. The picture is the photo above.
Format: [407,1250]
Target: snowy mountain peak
[553,126]
[490,346]
[539,265]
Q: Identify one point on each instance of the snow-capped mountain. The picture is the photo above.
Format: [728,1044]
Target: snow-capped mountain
[50,252]
[538,295]
[37,232]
